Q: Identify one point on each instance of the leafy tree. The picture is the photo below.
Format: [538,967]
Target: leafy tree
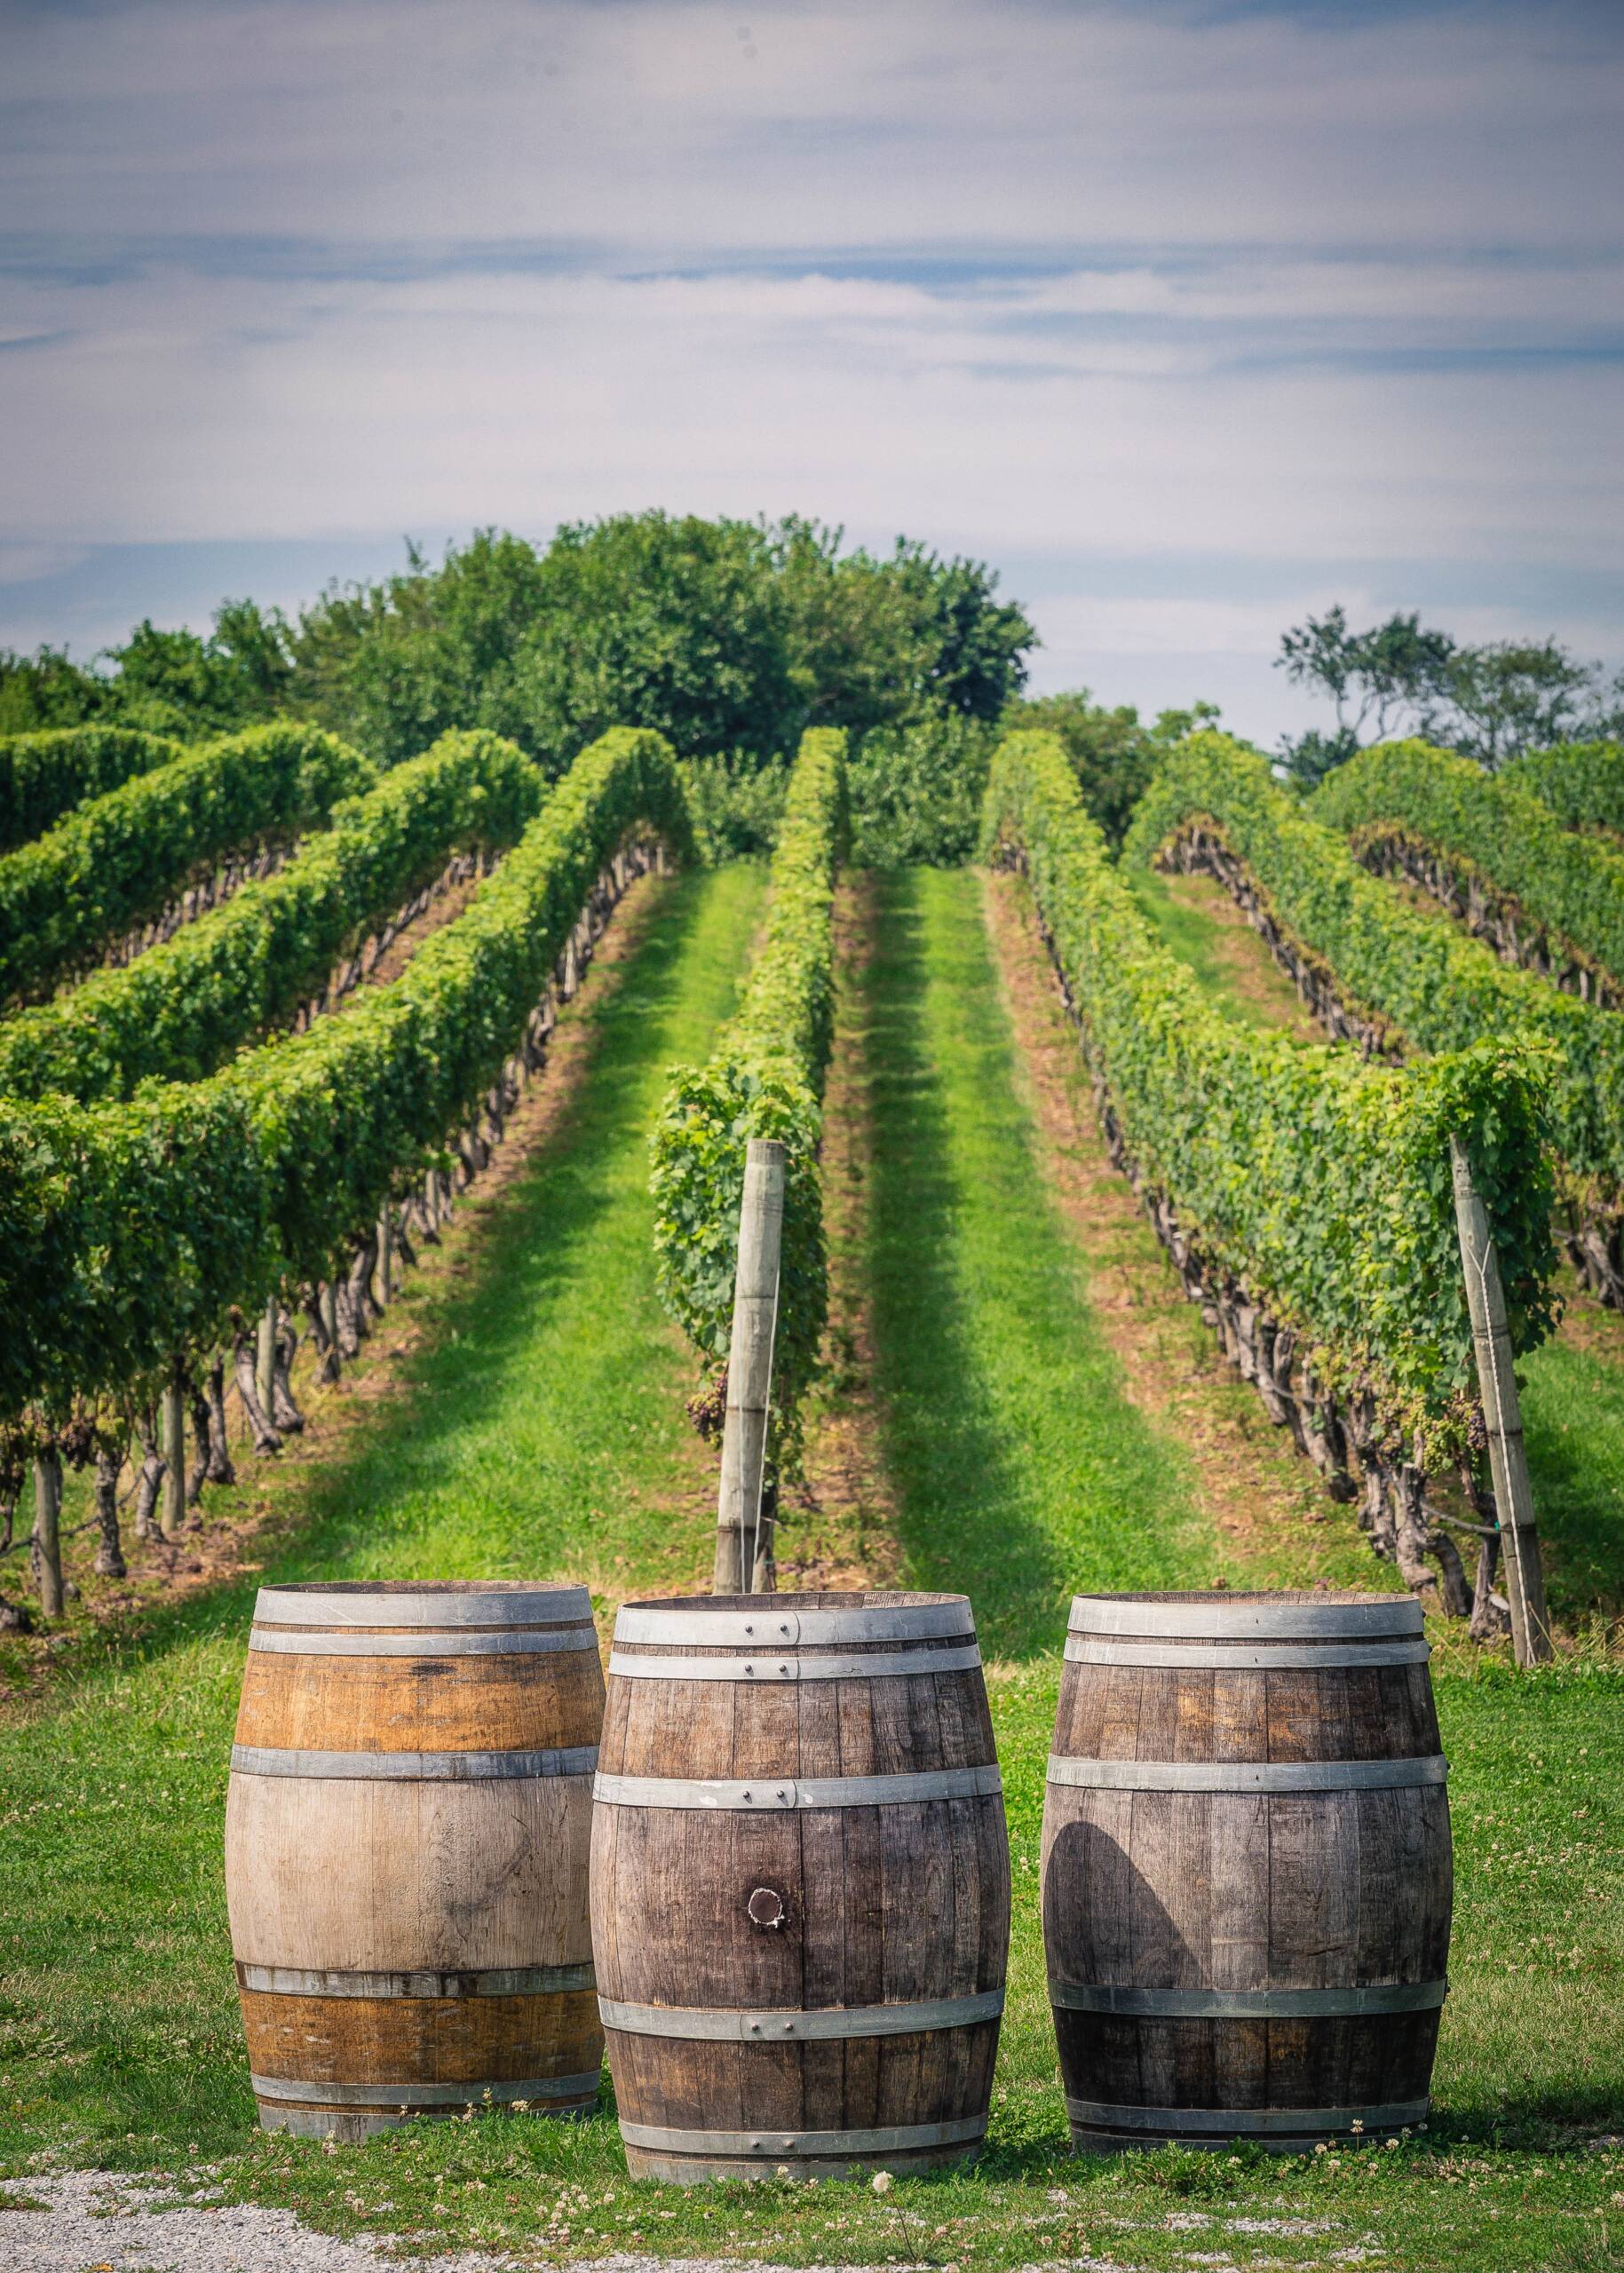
[1384,682]
[723,635]
[47,689]
[898,641]
[970,649]
[677,624]
[1490,703]
[1110,752]
[391,666]
[1501,699]
[179,683]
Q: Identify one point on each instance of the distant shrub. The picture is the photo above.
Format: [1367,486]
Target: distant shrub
[735,805]
[916,793]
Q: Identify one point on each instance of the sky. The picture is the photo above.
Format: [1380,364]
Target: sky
[1189,318]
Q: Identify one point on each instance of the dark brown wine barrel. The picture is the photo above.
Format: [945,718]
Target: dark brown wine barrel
[1247,1868]
[800,1885]
[407,1837]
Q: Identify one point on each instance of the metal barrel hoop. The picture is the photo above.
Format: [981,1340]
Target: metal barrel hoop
[515,1609]
[1241,1655]
[1246,1775]
[1123,2003]
[1244,2122]
[777,1794]
[770,1627]
[558,1764]
[498,1980]
[825,2024]
[908,1665]
[1214,1617]
[500,2091]
[775,2146]
[478,1641]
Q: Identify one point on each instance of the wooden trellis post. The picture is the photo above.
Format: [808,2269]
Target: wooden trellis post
[384,1283]
[265,1365]
[171,1521]
[47,1550]
[1519,1537]
[750,1367]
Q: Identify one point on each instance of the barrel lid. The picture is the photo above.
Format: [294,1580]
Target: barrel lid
[427,1602]
[780,1621]
[1326,1615]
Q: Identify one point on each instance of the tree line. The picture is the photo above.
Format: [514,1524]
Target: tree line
[731,638]
[1400,680]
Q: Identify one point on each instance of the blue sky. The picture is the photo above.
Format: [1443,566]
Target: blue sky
[1189,318]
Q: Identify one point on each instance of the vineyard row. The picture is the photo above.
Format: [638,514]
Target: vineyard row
[764,1080]
[125,858]
[137,1235]
[1493,855]
[1397,981]
[1582,783]
[44,776]
[280,949]
[1304,1194]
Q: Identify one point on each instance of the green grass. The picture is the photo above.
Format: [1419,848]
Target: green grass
[540,1431]
[1195,918]
[1020,1472]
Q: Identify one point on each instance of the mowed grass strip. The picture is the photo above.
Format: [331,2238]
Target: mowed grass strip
[538,1431]
[1020,1472]
[1023,1474]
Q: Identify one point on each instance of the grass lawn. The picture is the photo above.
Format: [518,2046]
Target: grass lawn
[542,1433]
[539,1430]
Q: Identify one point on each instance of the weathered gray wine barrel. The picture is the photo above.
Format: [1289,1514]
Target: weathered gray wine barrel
[406,1836]
[1246,1872]
[800,1884]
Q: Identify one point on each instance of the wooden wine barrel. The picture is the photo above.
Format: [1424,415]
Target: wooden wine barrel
[800,1885]
[406,1836]
[1247,1868]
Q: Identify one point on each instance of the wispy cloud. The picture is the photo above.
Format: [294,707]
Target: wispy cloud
[1161,285]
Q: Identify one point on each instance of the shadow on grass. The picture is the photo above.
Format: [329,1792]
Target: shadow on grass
[965,1522]
[1573,1417]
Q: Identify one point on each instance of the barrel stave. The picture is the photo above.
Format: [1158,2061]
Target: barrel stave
[855,1882]
[488,1703]
[407,1831]
[1240,1891]
[497,1873]
[433,2039]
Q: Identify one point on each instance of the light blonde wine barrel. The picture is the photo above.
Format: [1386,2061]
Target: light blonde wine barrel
[800,1885]
[1247,1868]
[407,1837]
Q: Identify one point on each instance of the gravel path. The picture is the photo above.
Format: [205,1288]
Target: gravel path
[100,2223]
[95,2220]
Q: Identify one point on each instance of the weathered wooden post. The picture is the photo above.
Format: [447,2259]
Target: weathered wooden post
[45,1544]
[1497,1389]
[750,1366]
[264,1361]
[384,1285]
[172,1520]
